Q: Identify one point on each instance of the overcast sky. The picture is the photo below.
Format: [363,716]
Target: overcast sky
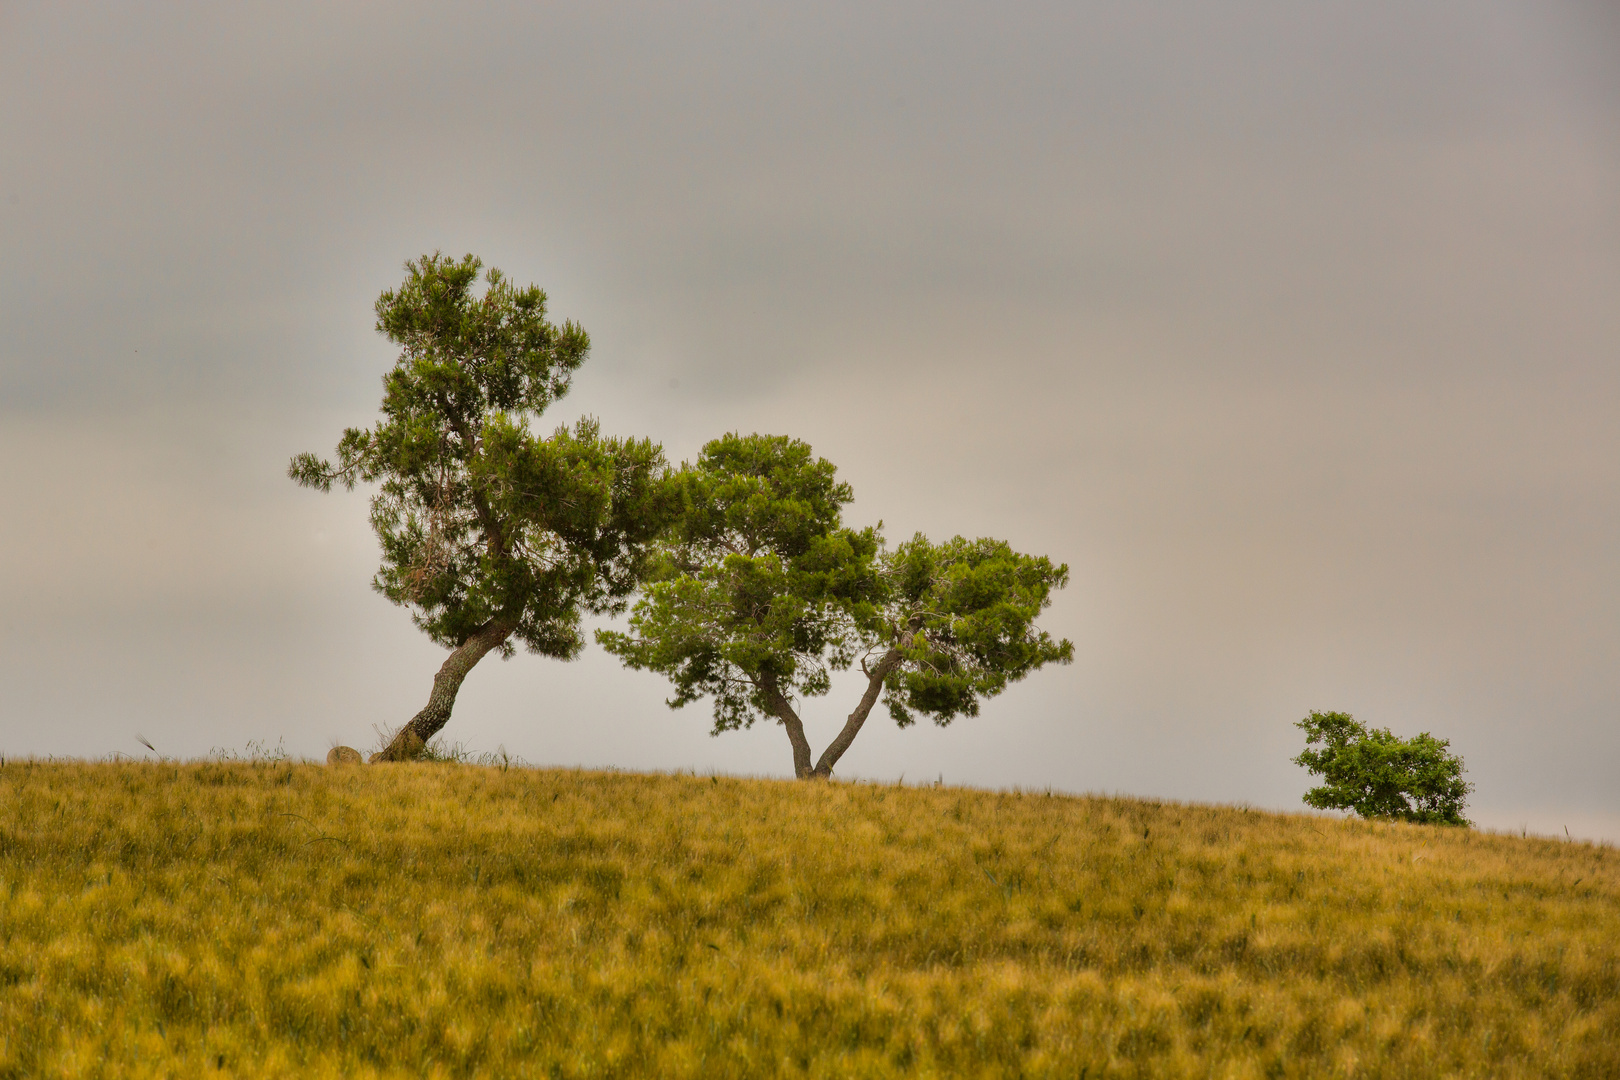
[1294,329]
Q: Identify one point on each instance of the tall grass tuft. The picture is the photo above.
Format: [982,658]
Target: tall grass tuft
[270,918]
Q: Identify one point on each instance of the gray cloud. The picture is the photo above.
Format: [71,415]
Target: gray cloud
[1291,330]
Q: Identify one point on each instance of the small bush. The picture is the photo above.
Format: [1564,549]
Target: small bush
[1379,775]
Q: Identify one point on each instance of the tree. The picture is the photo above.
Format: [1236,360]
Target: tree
[1376,774]
[489,533]
[761,592]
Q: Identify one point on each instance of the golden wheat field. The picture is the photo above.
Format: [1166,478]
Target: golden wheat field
[242,919]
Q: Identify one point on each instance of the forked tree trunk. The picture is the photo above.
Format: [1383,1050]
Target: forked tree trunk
[852,726]
[782,709]
[410,739]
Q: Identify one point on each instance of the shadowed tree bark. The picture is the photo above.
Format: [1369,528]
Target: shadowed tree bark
[857,719]
[781,708]
[410,739]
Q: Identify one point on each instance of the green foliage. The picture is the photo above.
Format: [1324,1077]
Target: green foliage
[482,523]
[760,587]
[962,616]
[762,591]
[1377,774]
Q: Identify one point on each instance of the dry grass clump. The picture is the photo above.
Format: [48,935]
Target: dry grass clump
[279,919]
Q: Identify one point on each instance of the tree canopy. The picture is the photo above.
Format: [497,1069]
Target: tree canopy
[1377,774]
[490,533]
[761,591]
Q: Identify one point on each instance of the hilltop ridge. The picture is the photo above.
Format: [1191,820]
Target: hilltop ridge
[269,919]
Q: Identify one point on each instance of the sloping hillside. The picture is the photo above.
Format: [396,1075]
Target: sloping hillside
[433,919]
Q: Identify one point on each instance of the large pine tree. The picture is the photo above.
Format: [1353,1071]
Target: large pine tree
[490,534]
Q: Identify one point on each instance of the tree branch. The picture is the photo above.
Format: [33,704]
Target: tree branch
[857,719]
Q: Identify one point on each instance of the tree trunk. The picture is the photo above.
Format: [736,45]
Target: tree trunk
[427,723]
[783,710]
[852,726]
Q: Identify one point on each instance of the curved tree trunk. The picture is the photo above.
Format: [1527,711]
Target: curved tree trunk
[783,711]
[410,739]
[852,726]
